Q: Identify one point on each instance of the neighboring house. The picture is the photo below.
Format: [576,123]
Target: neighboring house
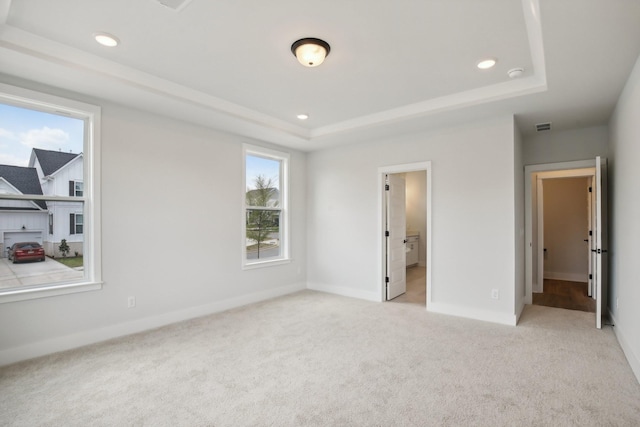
[61,174]
[21,220]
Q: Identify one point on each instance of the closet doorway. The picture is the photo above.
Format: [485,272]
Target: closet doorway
[542,266]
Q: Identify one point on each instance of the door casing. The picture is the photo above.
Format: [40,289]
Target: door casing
[382,172]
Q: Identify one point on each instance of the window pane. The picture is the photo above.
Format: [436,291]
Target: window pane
[79,187]
[263,234]
[41,154]
[59,256]
[35,146]
[263,181]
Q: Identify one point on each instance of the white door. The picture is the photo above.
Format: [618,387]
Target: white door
[396,239]
[600,237]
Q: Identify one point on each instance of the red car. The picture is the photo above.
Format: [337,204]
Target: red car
[26,251]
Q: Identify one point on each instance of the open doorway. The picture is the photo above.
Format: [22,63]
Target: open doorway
[545,188]
[405,222]
[566,219]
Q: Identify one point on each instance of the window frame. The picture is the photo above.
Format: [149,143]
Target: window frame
[91,115]
[73,230]
[284,159]
[75,188]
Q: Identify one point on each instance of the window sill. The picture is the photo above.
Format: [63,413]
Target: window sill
[23,294]
[270,263]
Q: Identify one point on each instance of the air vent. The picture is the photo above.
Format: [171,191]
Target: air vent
[541,127]
[176,5]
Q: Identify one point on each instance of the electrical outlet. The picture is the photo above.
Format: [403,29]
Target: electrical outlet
[495,294]
[131,302]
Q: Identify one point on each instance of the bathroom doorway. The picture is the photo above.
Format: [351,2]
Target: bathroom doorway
[405,220]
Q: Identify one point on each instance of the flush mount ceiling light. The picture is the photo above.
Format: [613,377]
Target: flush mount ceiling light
[106,39]
[302,116]
[310,52]
[485,64]
[514,73]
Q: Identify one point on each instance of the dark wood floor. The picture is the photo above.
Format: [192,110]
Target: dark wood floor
[564,294]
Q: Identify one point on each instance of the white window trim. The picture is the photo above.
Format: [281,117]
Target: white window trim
[75,191]
[284,257]
[91,197]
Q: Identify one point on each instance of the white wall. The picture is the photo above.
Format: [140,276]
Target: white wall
[564,146]
[472,216]
[171,197]
[416,207]
[624,226]
[566,225]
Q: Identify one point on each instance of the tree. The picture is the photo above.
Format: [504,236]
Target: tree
[261,223]
[64,248]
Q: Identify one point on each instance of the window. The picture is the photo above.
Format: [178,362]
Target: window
[75,188]
[75,223]
[265,209]
[50,168]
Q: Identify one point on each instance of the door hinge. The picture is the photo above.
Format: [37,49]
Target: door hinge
[386,234]
[590,233]
[386,279]
[386,187]
[590,276]
[590,190]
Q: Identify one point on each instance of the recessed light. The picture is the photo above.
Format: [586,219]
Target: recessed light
[302,116]
[106,39]
[485,64]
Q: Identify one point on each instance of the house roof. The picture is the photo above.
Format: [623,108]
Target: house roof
[51,161]
[24,179]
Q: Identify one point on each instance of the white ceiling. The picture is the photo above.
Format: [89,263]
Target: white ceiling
[395,66]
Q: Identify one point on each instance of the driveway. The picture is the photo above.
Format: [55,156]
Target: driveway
[35,273]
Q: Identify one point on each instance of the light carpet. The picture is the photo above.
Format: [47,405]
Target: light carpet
[314,359]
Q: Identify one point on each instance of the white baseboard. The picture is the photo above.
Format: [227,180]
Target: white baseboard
[569,277]
[345,292]
[632,358]
[80,339]
[471,313]
[520,308]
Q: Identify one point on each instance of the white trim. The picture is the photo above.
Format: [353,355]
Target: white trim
[23,294]
[382,171]
[248,122]
[91,115]
[472,313]
[345,292]
[285,240]
[80,339]
[627,349]
[555,170]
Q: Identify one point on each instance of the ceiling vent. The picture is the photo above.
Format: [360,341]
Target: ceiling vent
[542,127]
[176,5]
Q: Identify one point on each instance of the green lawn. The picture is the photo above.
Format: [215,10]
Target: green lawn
[72,262]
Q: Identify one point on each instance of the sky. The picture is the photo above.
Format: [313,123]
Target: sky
[260,166]
[22,129]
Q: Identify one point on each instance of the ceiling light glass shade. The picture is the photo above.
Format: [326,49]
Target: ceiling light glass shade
[310,52]
[106,39]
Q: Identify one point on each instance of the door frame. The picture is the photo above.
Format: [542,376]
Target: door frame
[555,170]
[382,217]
